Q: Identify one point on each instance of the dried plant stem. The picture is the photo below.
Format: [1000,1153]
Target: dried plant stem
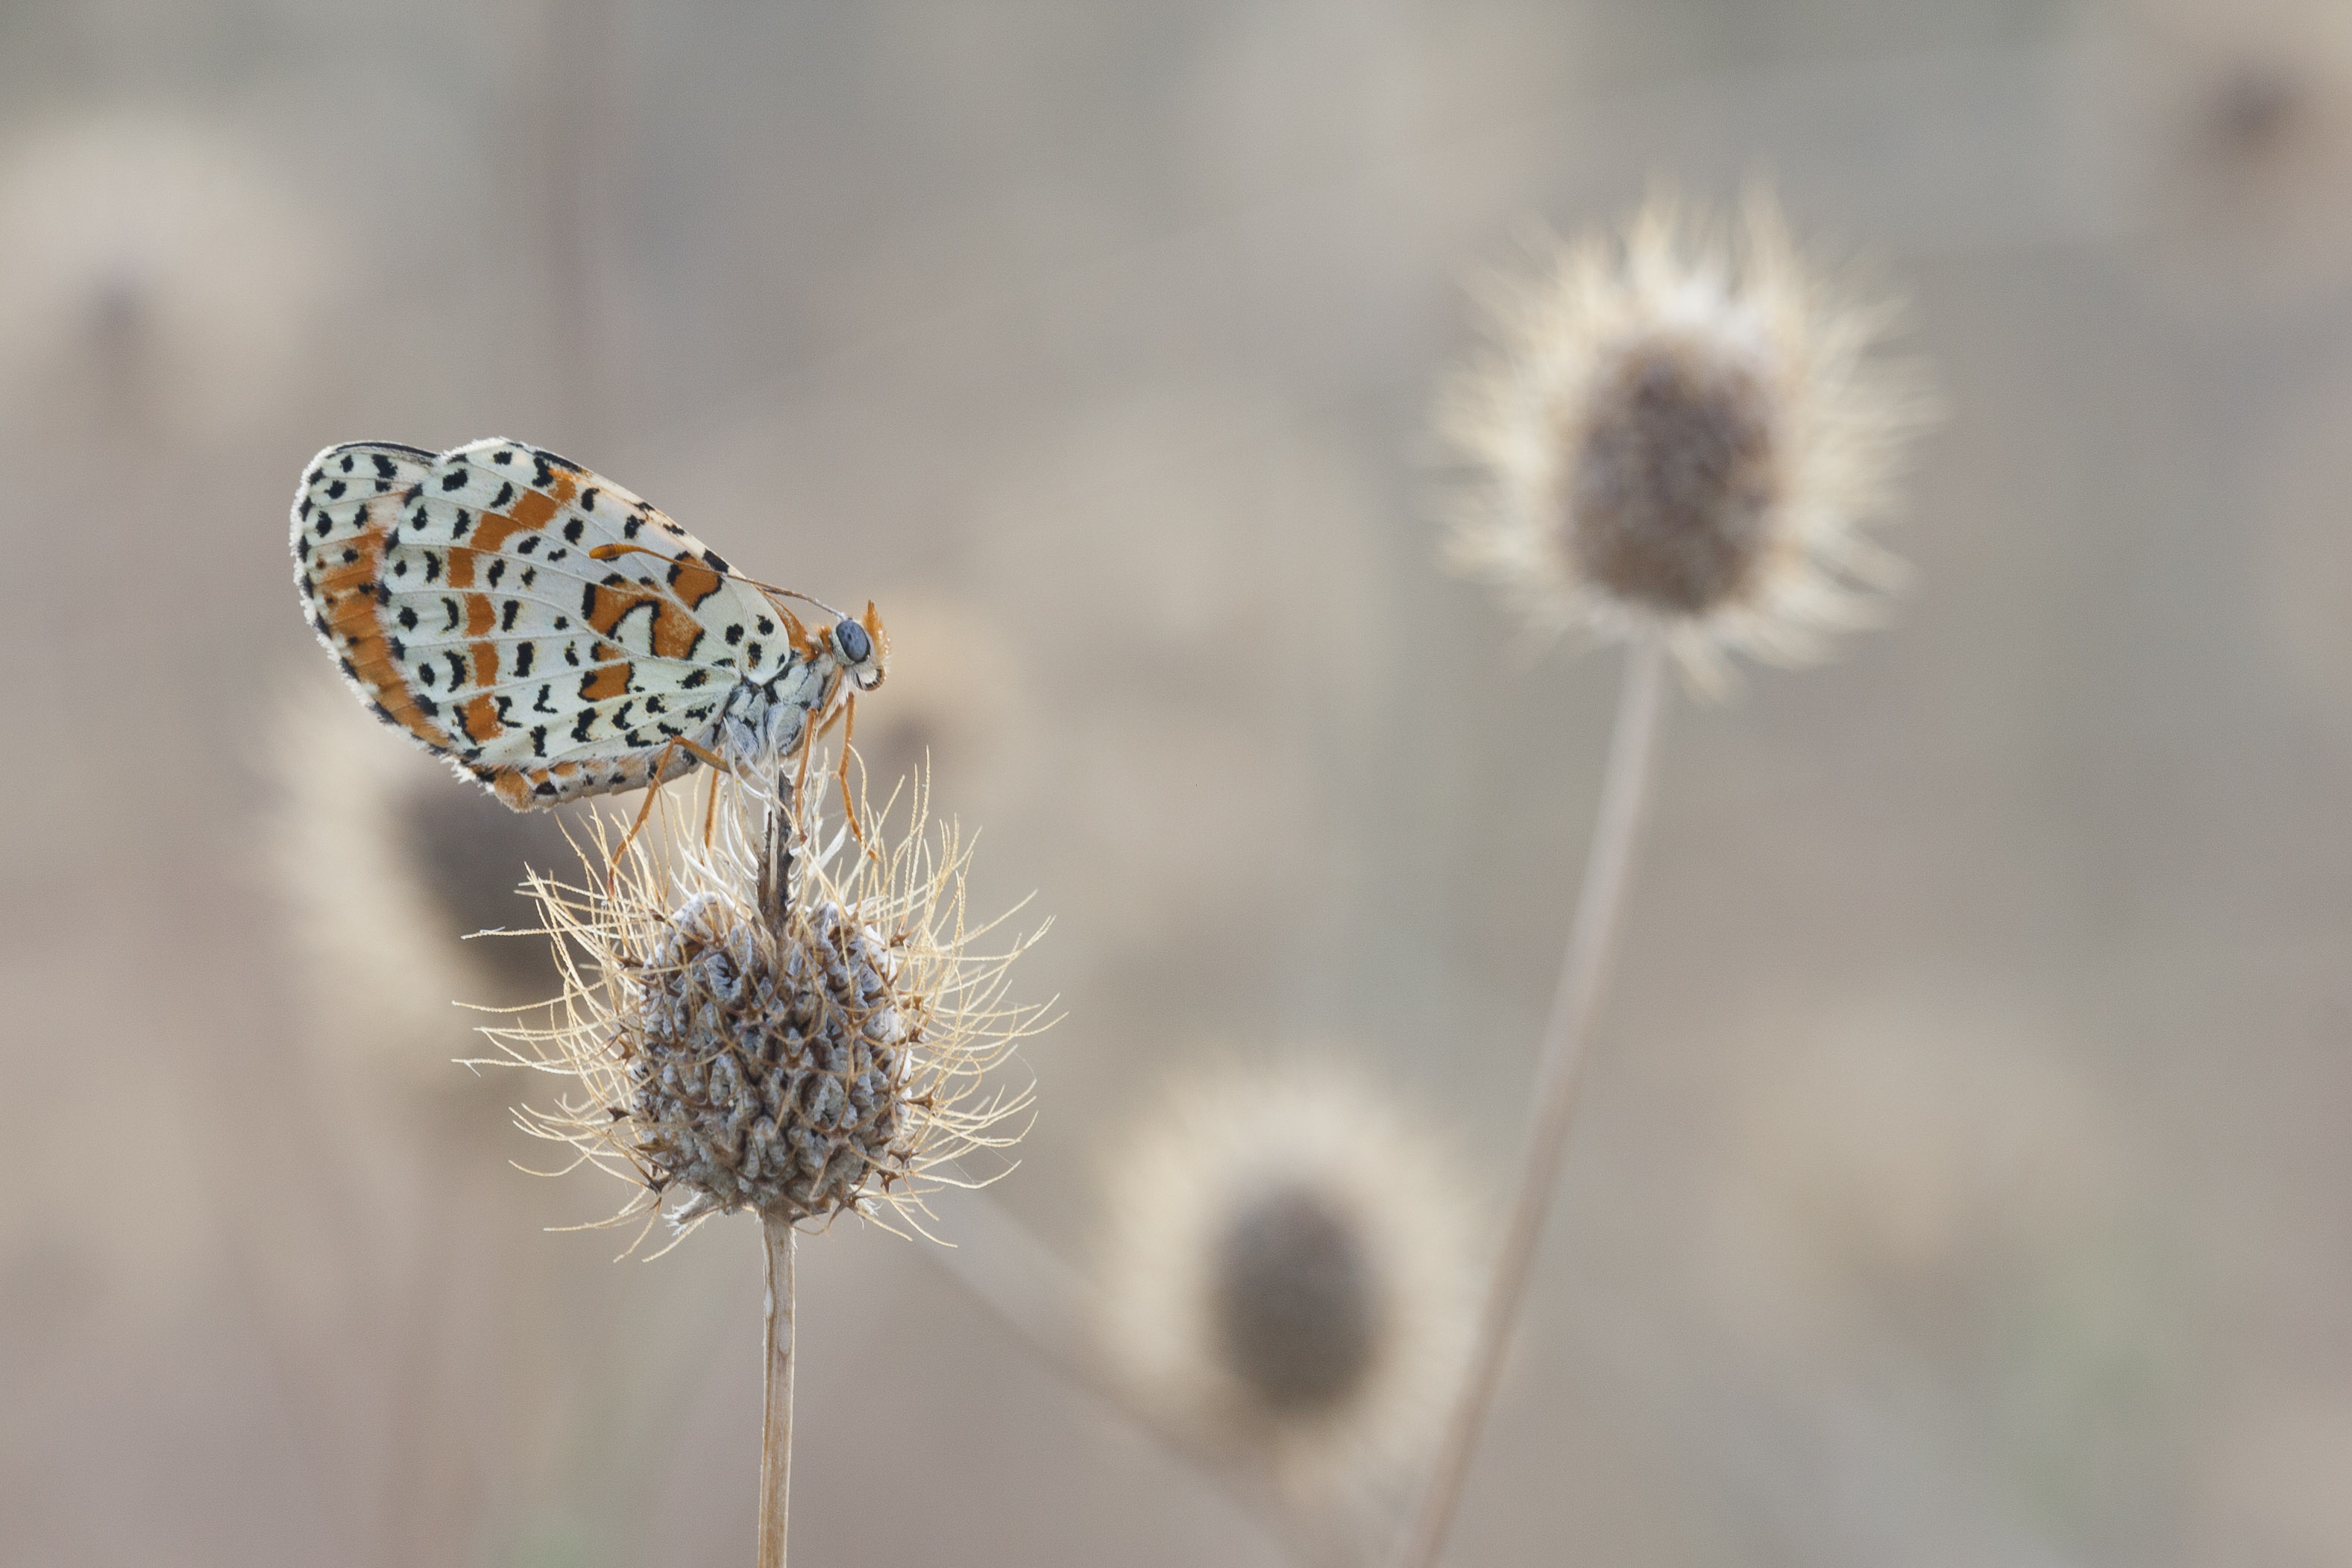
[1623,791]
[776,1424]
[1046,1301]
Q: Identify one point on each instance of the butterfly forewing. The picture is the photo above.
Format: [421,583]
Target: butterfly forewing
[460,593]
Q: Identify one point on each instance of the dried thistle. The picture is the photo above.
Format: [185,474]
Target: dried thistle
[754,1026]
[2228,129]
[1684,431]
[1287,1270]
[1677,442]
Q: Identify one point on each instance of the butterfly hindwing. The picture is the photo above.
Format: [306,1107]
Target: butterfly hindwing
[459,594]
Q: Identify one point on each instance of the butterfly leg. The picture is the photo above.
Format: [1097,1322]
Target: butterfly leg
[800,780]
[848,806]
[652,788]
[845,715]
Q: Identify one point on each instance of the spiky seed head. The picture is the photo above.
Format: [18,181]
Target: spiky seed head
[767,1068]
[1287,1275]
[799,1055]
[1681,430]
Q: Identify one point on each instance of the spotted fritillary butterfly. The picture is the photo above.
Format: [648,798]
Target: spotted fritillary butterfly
[548,632]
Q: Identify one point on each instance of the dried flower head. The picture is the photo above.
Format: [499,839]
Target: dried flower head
[159,277]
[386,870]
[1681,430]
[2229,127]
[1287,1277]
[800,1054]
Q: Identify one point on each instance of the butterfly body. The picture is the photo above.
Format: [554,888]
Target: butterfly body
[548,632]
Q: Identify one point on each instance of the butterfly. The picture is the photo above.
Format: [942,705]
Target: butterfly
[551,635]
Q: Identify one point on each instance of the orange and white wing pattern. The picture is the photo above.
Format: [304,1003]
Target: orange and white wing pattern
[459,594]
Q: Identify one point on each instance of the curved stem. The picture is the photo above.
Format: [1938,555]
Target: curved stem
[776,1424]
[1047,1304]
[1560,1071]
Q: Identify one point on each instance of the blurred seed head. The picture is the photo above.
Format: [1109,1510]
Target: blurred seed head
[1680,428]
[2230,127]
[385,866]
[159,280]
[799,1057]
[1287,1275]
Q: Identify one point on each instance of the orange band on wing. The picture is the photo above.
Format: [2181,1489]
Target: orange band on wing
[351,614]
[482,719]
[530,513]
[606,681]
[675,631]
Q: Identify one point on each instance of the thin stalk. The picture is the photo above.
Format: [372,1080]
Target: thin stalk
[1624,789]
[776,1424]
[1048,1303]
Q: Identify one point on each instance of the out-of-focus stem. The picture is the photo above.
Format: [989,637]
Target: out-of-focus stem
[1624,792]
[776,1424]
[1046,1301]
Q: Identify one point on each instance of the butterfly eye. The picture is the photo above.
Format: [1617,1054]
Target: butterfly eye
[850,639]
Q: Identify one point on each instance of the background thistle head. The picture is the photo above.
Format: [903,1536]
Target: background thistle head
[799,1057]
[1288,1261]
[383,871]
[1680,427]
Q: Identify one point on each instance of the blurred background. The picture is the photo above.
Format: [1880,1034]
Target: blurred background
[1961,1176]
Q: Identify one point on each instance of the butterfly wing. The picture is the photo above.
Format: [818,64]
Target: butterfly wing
[458,595]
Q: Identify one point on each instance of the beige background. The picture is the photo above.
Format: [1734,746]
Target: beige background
[1961,1178]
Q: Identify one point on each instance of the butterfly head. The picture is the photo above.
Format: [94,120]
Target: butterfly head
[863,648]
